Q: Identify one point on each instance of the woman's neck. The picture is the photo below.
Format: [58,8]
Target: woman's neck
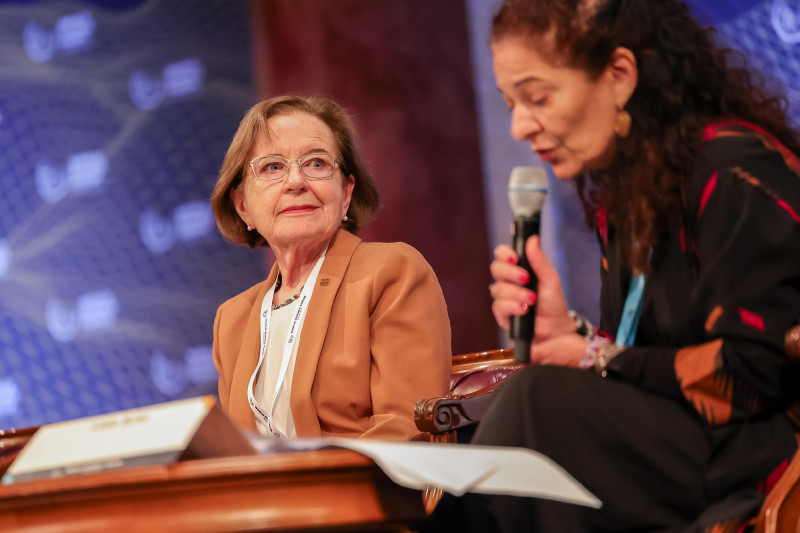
[295,263]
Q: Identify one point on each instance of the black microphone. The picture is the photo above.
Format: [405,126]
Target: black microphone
[527,189]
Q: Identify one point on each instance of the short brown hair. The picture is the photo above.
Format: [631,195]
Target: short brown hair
[365,201]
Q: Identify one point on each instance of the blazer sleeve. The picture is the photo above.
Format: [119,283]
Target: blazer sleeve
[746,296]
[223,386]
[409,342]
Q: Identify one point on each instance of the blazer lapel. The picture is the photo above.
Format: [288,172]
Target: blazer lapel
[315,328]
[248,358]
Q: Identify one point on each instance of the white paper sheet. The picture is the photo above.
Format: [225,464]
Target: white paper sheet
[457,468]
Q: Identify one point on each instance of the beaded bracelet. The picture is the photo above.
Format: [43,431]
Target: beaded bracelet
[592,352]
[600,348]
[594,342]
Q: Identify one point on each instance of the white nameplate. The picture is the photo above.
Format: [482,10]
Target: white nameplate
[158,434]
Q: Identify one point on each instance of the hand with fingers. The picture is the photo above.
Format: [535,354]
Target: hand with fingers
[555,340]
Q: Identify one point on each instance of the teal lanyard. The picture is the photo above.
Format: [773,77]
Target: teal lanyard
[626,333]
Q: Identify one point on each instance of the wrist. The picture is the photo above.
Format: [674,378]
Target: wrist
[581,326]
[592,351]
[599,351]
[605,355]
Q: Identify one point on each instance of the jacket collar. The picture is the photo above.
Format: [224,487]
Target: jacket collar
[315,328]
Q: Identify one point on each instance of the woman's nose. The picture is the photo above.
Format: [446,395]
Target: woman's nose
[294,176]
[523,124]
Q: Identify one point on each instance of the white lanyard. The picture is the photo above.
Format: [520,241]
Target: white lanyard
[291,337]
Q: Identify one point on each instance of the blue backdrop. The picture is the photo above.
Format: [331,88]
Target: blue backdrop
[114,118]
[768,32]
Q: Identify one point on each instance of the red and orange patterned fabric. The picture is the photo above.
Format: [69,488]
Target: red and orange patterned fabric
[725,285]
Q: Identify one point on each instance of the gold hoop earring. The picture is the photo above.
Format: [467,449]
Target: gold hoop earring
[622,126]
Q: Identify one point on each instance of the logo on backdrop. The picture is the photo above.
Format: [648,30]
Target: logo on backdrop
[72,33]
[786,20]
[83,173]
[178,79]
[190,221]
[171,376]
[9,397]
[5,258]
[93,311]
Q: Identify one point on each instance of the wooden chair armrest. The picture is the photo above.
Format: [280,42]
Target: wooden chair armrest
[482,360]
[437,415]
[468,400]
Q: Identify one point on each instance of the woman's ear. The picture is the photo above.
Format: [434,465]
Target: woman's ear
[237,197]
[624,75]
[349,185]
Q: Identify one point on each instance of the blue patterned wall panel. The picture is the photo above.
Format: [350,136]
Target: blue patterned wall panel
[113,123]
[768,32]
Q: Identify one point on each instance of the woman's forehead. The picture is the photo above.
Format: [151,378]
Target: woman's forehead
[295,131]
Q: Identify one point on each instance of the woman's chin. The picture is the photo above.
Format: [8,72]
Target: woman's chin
[565,171]
[303,235]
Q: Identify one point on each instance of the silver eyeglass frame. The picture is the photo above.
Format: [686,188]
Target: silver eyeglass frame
[289,162]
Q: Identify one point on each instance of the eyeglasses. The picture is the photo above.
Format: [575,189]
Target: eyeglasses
[275,167]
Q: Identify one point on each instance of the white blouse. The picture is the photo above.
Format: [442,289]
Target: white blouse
[268,377]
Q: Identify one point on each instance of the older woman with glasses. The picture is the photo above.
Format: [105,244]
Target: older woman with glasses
[343,337]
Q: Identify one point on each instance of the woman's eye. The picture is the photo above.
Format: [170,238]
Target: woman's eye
[273,167]
[316,162]
[538,102]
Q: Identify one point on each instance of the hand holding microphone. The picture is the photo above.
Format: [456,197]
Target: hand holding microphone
[528,298]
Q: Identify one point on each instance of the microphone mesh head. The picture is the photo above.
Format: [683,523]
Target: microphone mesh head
[527,189]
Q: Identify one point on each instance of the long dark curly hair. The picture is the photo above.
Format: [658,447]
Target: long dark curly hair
[685,81]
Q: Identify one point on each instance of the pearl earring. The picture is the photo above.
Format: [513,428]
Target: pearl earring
[345,218]
[249,227]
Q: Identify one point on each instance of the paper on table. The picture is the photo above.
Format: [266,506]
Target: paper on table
[459,468]
[516,475]
[431,464]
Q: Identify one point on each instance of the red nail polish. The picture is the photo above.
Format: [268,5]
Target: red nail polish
[532,298]
[524,278]
[524,306]
[512,260]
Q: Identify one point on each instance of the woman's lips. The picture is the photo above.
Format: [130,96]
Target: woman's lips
[546,155]
[298,209]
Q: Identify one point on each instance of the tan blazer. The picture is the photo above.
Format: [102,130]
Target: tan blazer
[376,339]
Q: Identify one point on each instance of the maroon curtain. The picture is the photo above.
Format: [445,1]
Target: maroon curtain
[402,68]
